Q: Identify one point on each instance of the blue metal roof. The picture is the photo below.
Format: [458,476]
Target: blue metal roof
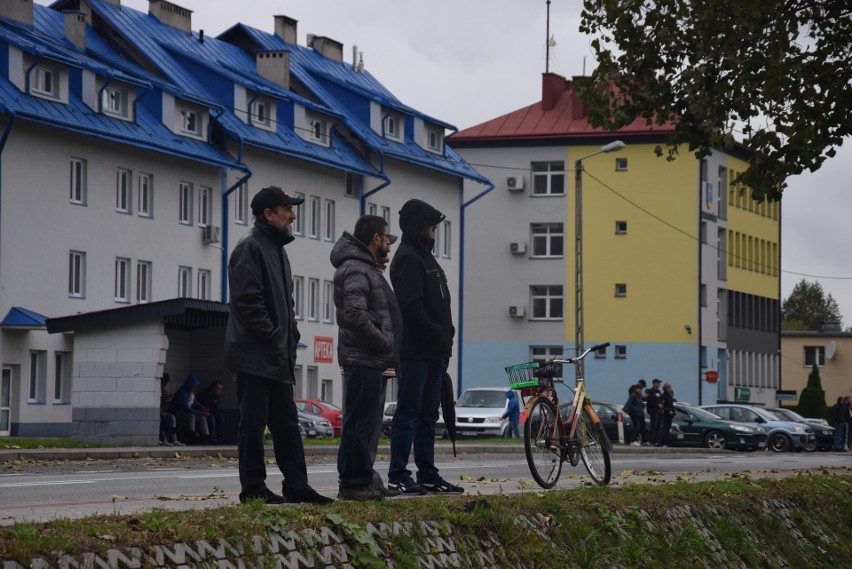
[19,317]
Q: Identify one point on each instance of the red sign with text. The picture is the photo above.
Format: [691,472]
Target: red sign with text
[323,349]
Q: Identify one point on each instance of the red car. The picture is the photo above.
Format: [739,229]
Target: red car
[333,413]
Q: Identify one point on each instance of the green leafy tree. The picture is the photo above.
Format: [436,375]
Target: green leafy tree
[778,70]
[812,400]
[807,307]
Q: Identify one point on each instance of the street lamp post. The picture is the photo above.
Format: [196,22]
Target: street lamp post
[578,249]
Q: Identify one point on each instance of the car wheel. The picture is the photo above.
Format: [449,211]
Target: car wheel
[714,439]
[779,443]
[810,447]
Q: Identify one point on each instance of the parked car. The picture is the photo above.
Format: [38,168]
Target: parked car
[610,413]
[387,419]
[824,433]
[333,413]
[782,435]
[479,412]
[701,428]
[315,426]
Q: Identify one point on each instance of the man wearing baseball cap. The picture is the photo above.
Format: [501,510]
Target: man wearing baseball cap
[654,402]
[260,346]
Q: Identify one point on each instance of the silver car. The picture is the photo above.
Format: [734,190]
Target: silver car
[783,435]
[315,426]
[479,412]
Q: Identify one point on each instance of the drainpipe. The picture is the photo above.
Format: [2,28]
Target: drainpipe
[225,214]
[148,87]
[101,95]
[464,206]
[380,187]
[5,137]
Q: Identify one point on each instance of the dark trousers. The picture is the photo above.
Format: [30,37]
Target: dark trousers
[656,425]
[377,482]
[216,426]
[637,428]
[264,402]
[665,427]
[362,389]
[414,420]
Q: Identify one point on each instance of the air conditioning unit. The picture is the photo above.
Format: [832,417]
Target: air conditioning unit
[518,247]
[515,183]
[517,311]
[210,234]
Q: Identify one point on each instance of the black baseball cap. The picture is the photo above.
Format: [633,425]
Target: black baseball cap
[656,381]
[272,196]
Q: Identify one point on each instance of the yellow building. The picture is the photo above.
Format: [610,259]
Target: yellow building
[830,348]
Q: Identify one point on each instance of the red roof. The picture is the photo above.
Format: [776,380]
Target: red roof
[566,116]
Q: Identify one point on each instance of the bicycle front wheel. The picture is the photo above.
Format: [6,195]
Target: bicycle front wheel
[541,443]
[593,449]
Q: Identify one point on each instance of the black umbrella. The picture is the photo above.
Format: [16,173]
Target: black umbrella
[448,408]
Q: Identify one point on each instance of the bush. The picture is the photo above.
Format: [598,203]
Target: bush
[812,400]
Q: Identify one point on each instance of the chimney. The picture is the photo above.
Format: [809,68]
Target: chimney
[171,14]
[285,28]
[75,28]
[328,47]
[19,10]
[275,66]
[553,86]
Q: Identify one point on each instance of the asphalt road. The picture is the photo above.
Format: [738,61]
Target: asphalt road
[41,490]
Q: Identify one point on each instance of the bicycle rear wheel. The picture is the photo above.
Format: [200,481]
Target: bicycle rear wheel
[593,449]
[541,443]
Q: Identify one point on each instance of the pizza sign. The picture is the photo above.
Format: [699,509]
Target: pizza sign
[323,349]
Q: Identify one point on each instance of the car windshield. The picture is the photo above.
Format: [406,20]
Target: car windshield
[329,406]
[771,415]
[701,414]
[484,399]
[789,415]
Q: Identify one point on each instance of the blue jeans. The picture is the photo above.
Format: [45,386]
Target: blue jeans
[216,426]
[414,420]
[839,436]
[513,430]
[362,388]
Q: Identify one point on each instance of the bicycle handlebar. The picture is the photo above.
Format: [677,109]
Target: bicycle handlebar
[575,359]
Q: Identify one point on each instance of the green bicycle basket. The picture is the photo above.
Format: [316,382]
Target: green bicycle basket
[522,375]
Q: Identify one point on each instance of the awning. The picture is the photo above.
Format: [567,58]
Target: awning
[175,313]
[20,318]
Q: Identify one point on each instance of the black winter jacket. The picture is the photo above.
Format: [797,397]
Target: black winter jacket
[365,326]
[634,404]
[261,336]
[421,289]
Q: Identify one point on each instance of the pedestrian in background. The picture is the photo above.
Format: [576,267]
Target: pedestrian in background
[643,428]
[668,414]
[654,403]
[168,422]
[209,399]
[513,414]
[635,409]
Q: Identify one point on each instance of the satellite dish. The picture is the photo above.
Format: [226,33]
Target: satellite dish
[830,350]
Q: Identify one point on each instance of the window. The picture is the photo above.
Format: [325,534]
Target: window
[205,206]
[436,245]
[386,215]
[298,223]
[814,355]
[620,289]
[77,274]
[122,191]
[328,302]
[185,282]
[298,295]
[241,204]
[45,81]
[185,205]
[329,220]
[434,141]
[326,390]
[122,279]
[702,294]
[143,281]
[313,299]
[620,227]
[190,122]
[372,209]
[546,302]
[352,184]
[78,181]
[205,279]
[620,351]
[445,240]
[548,178]
[393,127]
[319,131]
[145,189]
[314,222]
[600,354]
[37,388]
[542,353]
[548,239]
[115,102]
[621,164]
[260,113]
[62,377]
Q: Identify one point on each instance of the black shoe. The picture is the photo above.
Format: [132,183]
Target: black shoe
[388,492]
[361,494]
[441,486]
[266,495]
[309,496]
[406,486]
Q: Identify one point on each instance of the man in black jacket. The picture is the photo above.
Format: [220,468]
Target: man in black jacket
[260,346]
[427,345]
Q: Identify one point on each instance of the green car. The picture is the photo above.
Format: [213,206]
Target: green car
[701,428]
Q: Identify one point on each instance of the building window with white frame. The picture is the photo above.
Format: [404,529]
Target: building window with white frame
[436,242]
[143,281]
[37,388]
[185,204]
[241,204]
[814,355]
[620,289]
[122,279]
[620,351]
[548,240]
[621,228]
[145,191]
[548,178]
[61,378]
[621,164]
[386,215]
[435,140]
[543,353]
[314,221]
[190,122]
[116,102]
[547,302]
[328,229]
[260,113]
[372,209]
[313,299]
[328,302]
[298,297]
[205,206]
[77,274]
[123,191]
[205,280]
[446,239]
[45,81]
[393,126]
[352,184]
[77,185]
[299,210]
[185,282]
[319,131]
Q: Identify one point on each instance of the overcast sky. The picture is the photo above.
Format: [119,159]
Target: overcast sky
[467,61]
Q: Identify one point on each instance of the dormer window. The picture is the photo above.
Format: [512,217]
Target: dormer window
[116,102]
[319,131]
[393,127]
[260,113]
[435,140]
[45,81]
[190,122]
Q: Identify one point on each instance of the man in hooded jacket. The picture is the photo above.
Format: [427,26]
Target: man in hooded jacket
[427,345]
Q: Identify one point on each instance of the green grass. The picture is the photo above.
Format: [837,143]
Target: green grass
[35,443]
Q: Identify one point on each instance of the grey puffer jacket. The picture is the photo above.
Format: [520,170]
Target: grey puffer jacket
[365,336]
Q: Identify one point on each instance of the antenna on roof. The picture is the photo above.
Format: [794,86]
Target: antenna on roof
[547,42]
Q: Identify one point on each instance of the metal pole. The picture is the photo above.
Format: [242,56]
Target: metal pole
[578,266]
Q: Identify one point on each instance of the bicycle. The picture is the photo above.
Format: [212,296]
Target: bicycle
[548,439]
